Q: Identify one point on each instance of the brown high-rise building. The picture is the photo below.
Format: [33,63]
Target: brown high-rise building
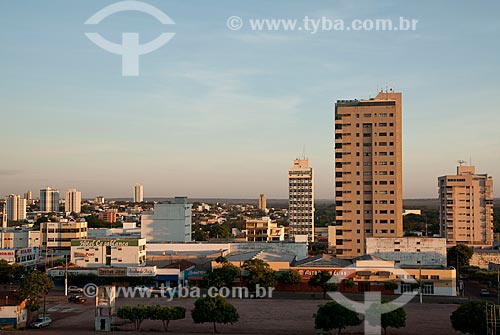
[466,207]
[262,202]
[368,171]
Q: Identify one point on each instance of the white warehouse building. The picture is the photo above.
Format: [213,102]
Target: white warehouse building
[168,222]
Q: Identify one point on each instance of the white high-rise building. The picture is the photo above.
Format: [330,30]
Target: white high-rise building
[138,193]
[168,222]
[16,208]
[301,199]
[49,200]
[73,201]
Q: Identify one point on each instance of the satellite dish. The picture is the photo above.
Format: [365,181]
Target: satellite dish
[461,162]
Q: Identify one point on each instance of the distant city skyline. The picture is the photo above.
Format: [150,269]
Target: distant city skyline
[217,113]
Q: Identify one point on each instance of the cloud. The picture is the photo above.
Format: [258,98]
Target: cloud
[8,172]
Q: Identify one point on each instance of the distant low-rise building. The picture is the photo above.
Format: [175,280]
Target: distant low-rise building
[412,211]
[168,222]
[263,229]
[108,216]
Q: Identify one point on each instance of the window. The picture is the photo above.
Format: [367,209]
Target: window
[428,288]
[434,276]
[367,115]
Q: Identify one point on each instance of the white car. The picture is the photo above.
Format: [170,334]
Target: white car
[41,322]
[75,289]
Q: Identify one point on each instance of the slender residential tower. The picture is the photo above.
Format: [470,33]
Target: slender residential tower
[301,199]
[368,171]
[138,193]
[73,201]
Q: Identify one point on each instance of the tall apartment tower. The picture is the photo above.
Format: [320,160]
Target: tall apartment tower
[49,200]
[262,202]
[138,193]
[466,207]
[301,199]
[368,171]
[16,208]
[29,197]
[73,201]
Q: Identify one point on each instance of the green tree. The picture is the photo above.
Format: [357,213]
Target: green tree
[393,319]
[166,314]
[215,310]
[224,276]
[461,252]
[135,314]
[470,318]
[335,316]
[33,286]
[259,273]
[321,279]
[290,277]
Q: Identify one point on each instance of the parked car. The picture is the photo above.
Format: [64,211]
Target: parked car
[485,292]
[75,289]
[41,322]
[77,299]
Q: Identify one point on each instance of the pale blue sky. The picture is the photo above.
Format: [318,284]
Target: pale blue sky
[220,113]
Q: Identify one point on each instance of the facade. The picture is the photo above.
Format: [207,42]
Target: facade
[58,235]
[73,201]
[15,239]
[372,274]
[103,252]
[16,208]
[168,222]
[49,200]
[466,207]
[13,310]
[108,216]
[262,202]
[263,229]
[21,256]
[408,251]
[138,193]
[368,171]
[99,200]
[28,196]
[301,199]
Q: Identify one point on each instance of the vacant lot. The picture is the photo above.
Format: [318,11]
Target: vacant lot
[257,316]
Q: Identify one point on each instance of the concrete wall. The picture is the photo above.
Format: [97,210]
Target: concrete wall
[481,258]
[409,250]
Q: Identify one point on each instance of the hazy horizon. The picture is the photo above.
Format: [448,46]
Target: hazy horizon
[217,113]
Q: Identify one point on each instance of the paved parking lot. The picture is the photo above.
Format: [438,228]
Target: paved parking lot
[257,316]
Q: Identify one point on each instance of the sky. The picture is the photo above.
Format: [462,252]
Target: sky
[223,113]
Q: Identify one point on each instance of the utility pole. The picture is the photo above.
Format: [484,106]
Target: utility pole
[498,285]
[66,279]
[420,278]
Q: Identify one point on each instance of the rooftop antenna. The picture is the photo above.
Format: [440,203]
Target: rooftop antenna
[470,160]
[461,162]
[304,152]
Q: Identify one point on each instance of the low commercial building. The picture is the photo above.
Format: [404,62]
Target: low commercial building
[108,252]
[370,273]
[13,310]
[263,229]
[277,261]
[57,236]
[409,251]
[21,256]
